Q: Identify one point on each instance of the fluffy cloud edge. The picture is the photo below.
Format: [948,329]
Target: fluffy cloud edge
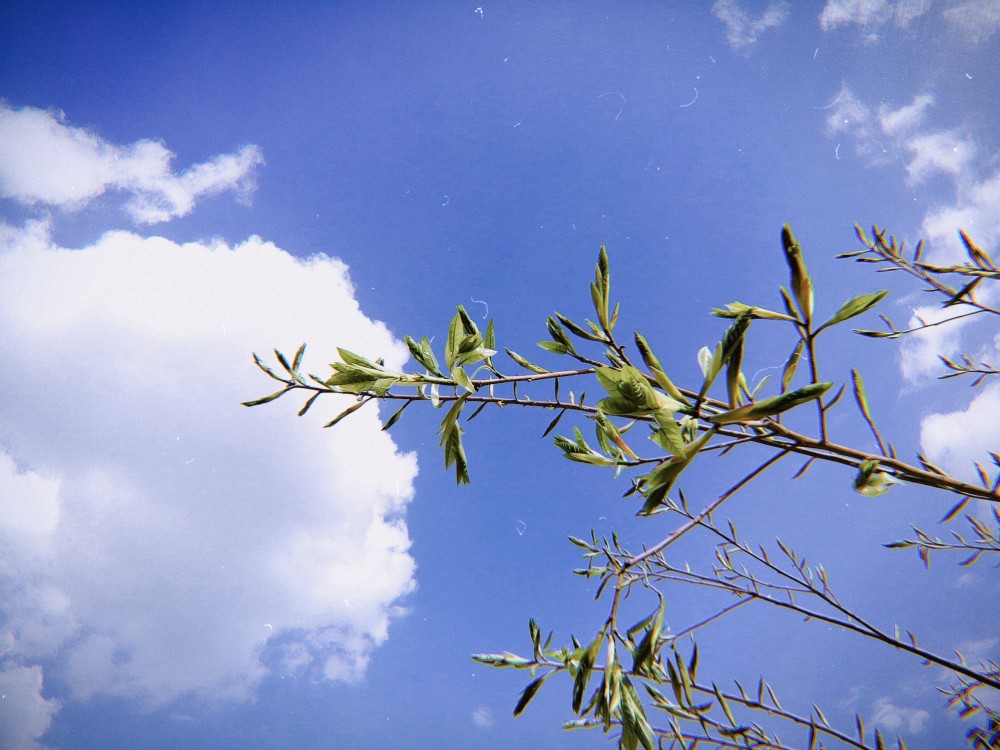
[142,560]
[44,160]
[742,32]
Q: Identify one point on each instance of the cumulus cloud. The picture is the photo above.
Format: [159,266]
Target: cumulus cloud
[899,122]
[954,440]
[974,20]
[743,32]
[945,151]
[892,718]
[871,14]
[43,160]
[852,118]
[158,539]
[24,714]
[919,350]
[976,210]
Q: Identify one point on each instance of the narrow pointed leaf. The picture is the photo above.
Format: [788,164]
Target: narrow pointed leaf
[854,307]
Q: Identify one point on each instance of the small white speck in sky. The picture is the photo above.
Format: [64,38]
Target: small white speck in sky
[479,10]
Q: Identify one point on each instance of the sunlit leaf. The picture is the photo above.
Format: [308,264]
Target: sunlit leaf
[854,307]
[770,407]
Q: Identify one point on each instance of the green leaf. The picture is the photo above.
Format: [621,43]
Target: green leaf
[558,334]
[854,307]
[734,309]
[791,365]
[609,435]
[424,355]
[770,407]
[802,286]
[451,440]
[270,373]
[297,360]
[731,347]
[468,324]
[490,342]
[525,363]
[349,410]
[657,484]
[600,290]
[580,331]
[657,370]
[871,482]
[668,435]
[630,393]
[462,378]
[579,451]
[266,399]
[554,346]
[395,417]
[529,693]
[456,332]
[587,659]
[284,363]
[309,402]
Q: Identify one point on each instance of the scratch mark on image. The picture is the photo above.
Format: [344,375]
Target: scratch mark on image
[447,200]
[616,93]
[692,101]
[649,165]
[815,52]
[521,526]
[833,102]
[480,302]
[518,123]
[479,11]
[711,58]
[836,152]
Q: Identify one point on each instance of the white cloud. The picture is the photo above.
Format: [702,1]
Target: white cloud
[871,14]
[44,160]
[943,151]
[24,714]
[976,210]
[157,538]
[743,32]
[483,717]
[919,350]
[893,718]
[852,117]
[974,20]
[956,439]
[903,120]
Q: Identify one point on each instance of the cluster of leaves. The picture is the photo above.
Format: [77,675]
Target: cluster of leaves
[719,413]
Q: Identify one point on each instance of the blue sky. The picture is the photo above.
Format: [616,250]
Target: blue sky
[182,185]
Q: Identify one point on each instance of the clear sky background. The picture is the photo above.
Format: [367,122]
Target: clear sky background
[184,183]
